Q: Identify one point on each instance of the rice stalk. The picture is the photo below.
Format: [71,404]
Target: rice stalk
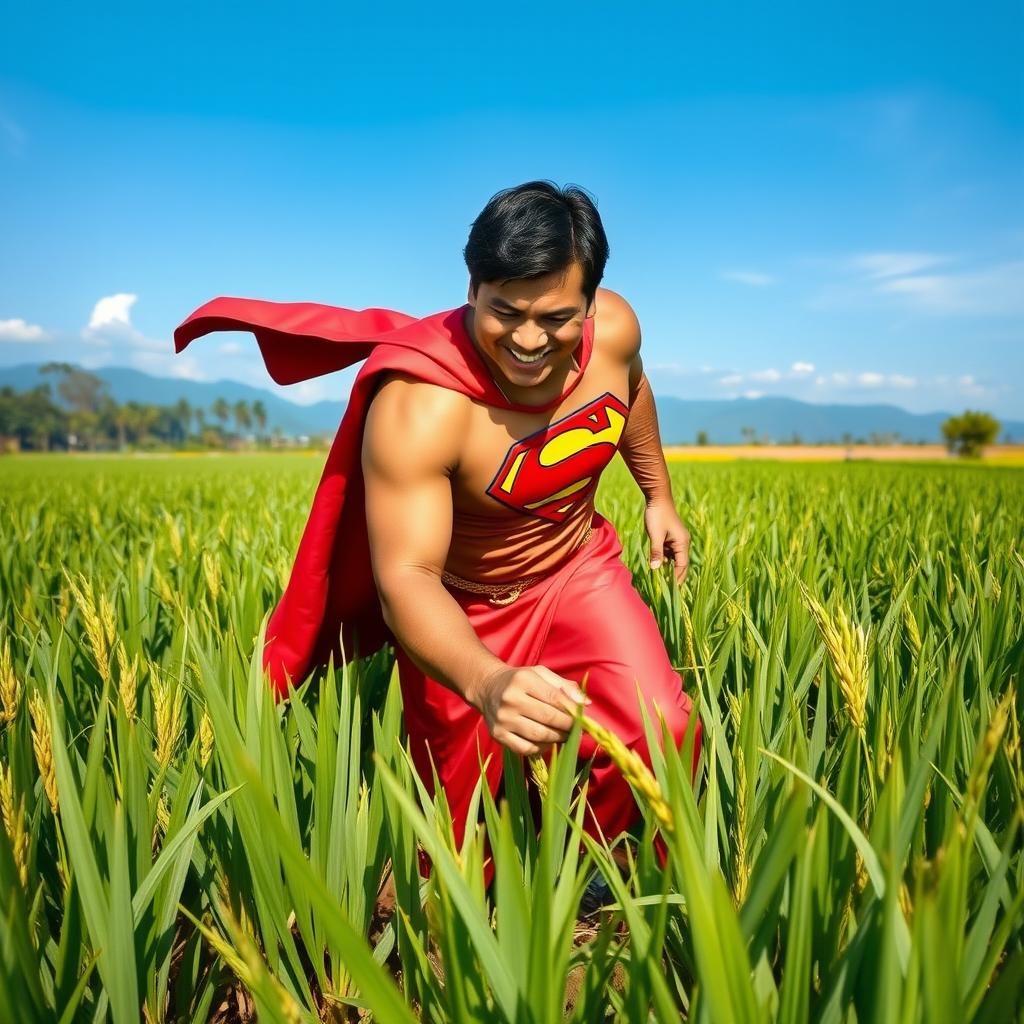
[846,644]
[10,686]
[100,623]
[633,769]
[205,739]
[211,573]
[127,681]
[167,713]
[14,823]
[539,773]
[174,535]
[42,745]
[912,633]
[739,830]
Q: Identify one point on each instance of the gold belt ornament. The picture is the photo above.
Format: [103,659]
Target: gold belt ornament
[512,590]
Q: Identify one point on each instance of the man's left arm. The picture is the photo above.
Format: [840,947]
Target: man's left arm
[640,446]
[641,441]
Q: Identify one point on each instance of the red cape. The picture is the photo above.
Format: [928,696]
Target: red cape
[330,605]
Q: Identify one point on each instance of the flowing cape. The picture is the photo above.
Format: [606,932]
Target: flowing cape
[330,606]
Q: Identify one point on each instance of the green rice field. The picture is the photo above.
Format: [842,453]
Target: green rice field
[178,847]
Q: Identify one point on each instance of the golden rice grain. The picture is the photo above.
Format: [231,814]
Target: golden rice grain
[127,681]
[846,644]
[10,687]
[167,713]
[633,770]
[205,739]
[174,535]
[99,620]
[42,744]
[14,823]
[912,633]
[740,830]
[211,571]
[539,772]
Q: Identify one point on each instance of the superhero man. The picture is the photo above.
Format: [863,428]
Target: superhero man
[455,516]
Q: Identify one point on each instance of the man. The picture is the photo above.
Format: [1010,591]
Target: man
[464,475]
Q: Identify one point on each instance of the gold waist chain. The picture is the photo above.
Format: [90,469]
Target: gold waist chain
[512,590]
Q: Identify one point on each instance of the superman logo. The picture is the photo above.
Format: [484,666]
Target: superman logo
[547,472]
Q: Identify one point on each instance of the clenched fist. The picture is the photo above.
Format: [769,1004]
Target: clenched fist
[527,709]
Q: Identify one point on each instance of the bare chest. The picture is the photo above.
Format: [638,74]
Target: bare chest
[543,466]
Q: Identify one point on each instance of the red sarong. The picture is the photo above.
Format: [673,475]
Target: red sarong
[583,617]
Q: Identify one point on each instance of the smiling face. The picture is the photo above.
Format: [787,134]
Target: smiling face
[539,316]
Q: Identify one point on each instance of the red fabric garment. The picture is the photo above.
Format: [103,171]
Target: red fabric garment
[583,618]
[331,600]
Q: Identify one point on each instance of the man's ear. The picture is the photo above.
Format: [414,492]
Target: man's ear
[592,308]
[471,294]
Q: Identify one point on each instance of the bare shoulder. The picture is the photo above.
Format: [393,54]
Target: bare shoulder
[616,327]
[413,421]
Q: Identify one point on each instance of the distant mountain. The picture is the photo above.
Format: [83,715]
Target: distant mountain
[779,419]
[679,419]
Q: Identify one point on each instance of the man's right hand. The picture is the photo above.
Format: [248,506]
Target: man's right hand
[527,709]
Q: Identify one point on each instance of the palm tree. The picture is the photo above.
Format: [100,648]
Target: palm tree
[221,410]
[259,414]
[243,419]
[148,416]
[182,413]
[115,415]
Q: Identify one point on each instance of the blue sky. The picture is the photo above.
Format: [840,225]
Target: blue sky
[824,201]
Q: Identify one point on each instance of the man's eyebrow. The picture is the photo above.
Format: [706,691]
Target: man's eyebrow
[552,312]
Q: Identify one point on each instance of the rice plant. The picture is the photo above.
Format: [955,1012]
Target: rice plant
[176,846]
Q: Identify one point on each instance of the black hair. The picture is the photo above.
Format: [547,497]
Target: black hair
[537,228]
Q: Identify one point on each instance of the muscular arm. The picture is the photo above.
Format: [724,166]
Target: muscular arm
[640,445]
[410,449]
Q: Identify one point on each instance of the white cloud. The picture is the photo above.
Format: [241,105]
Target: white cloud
[754,278]
[20,331]
[804,380]
[113,310]
[967,385]
[231,348]
[111,324]
[910,279]
[870,379]
[896,264]
[995,291]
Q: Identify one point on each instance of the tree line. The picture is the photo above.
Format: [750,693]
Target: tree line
[83,415]
[965,435]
